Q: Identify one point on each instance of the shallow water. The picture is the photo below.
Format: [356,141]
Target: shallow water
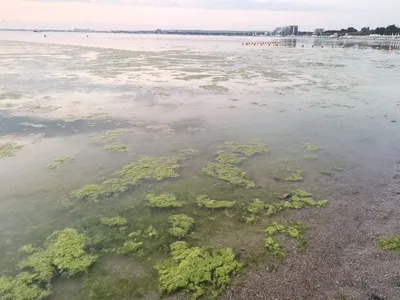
[57,94]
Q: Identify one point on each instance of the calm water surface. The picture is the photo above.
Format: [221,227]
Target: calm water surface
[58,93]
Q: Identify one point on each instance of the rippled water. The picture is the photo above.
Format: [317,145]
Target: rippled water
[58,93]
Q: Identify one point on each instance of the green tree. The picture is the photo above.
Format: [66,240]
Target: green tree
[391,29]
[365,30]
[351,30]
[380,30]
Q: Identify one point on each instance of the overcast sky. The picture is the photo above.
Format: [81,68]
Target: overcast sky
[198,14]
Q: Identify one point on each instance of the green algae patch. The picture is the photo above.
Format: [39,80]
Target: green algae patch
[204,201]
[88,192]
[392,243]
[301,199]
[111,135]
[296,175]
[115,287]
[150,232]
[214,88]
[64,253]
[156,168]
[28,249]
[229,173]
[312,147]
[21,287]
[130,247]
[310,157]
[60,162]
[180,225]
[163,201]
[66,249]
[162,128]
[148,168]
[114,221]
[256,206]
[41,264]
[250,149]
[116,148]
[301,194]
[188,151]
[228,158]
[294,231]
[9,149]
[197,270]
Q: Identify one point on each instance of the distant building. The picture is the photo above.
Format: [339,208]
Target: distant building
[291,30]
[319,31]
[82,30]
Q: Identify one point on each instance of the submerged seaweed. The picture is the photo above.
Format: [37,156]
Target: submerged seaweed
[309,157]
[130,247]
[111,135]
[9,149]
[250,149]
[64,252]
[116,148]
[163,201]
[180,225]
[147,168]
[293,230]
[229,173]
[195,269]
[204,201]
[296,175]
[114,221]
[312,147]
[60,162]
[231,159]
[21,287]
[301,199]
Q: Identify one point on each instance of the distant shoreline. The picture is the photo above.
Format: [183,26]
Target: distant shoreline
[256,34]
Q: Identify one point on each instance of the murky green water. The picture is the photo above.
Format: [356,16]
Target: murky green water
[70,101]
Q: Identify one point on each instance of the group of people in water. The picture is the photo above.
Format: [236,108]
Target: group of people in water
[282,44]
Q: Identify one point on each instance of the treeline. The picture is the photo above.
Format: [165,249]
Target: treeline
[389,30]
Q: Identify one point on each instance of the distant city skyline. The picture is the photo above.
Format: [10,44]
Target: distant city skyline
[196,14]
